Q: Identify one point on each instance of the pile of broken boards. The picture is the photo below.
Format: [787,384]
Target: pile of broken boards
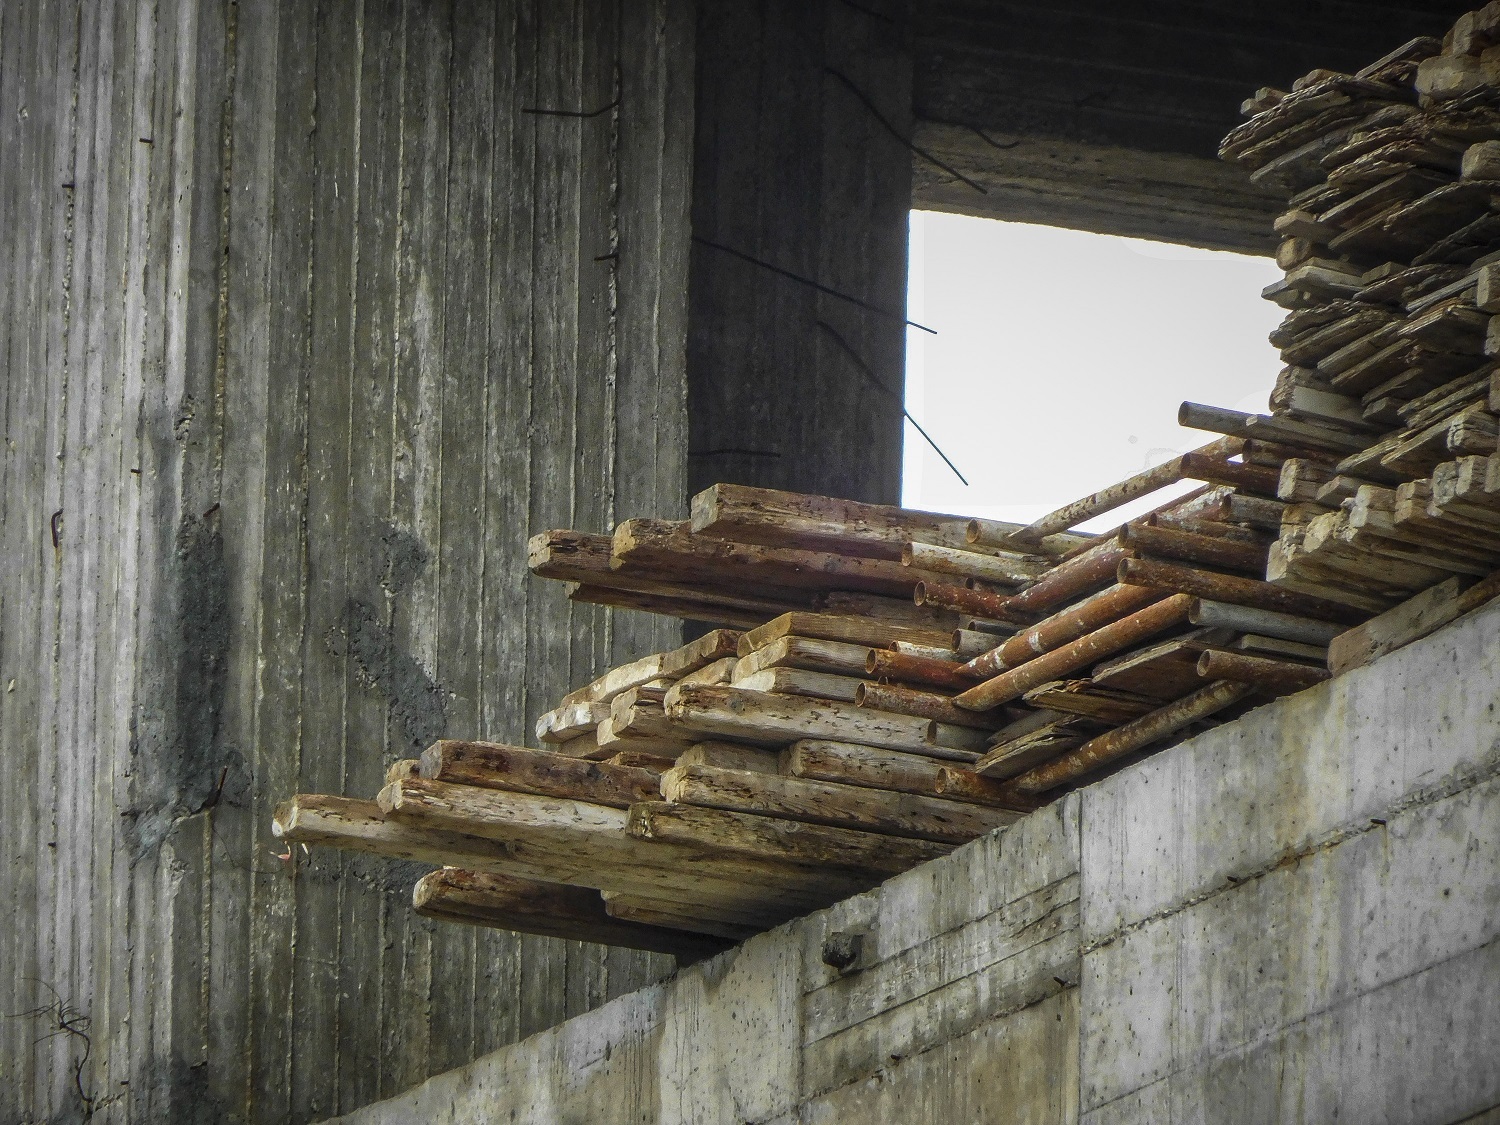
[1391,246]
[940,677]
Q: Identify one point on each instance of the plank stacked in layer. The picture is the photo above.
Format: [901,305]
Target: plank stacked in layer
[1392,252]
[692,797]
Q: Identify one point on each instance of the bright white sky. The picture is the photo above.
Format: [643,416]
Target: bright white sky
[1061,358]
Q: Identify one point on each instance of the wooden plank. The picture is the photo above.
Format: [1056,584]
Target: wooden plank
[774,518]
[798,681]
[547,910]
[1166,670]
[570,721]
[831,627]
[1411,621]
[494,766]
[868,767]
[668,548]
[663,665]
[776,839]
[1033,746]
[731,611]
[770,720]
[837,806]
[808,653]
[691,918]
[1090,700]
[563,841]
[1004,567]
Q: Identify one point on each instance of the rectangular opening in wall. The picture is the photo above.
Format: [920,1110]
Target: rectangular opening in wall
[1060,358]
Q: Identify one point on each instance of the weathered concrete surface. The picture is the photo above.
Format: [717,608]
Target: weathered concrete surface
[305,322]
[1107,117]
[1291,918]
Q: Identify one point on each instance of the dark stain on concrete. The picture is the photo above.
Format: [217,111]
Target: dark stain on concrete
[180,764]
[416,702]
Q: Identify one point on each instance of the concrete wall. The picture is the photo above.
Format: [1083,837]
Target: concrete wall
[307,323]
[1291,918]
[797,381]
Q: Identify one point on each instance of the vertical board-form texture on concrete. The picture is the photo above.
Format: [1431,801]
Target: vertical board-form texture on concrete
[310,316]
[801,196]
[1292,919]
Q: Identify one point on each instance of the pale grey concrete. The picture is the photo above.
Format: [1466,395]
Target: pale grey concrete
[1291,918]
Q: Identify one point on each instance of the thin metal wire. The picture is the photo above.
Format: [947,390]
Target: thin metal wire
[880,386]
[893,131]
[818,285]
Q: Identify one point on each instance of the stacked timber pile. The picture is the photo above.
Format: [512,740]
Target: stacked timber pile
[1392,252]
[939,677]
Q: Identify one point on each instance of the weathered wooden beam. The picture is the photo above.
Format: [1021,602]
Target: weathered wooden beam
[773,518]
[799,681]
[1280,676]
[736,610]
[1212,586]
[668,548]
[570,721]
[1004,567]
[778,840]
[563,841]
[837,806]
[1410,621]
[808,653]
[725,925]
[1136,735]
[850,629]
[526,906]
[660,666]
[847,764]
[493,766]
[771,720]
[1033,743]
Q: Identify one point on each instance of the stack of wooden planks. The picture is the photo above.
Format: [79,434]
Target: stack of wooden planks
[692,797]
[1391,246]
